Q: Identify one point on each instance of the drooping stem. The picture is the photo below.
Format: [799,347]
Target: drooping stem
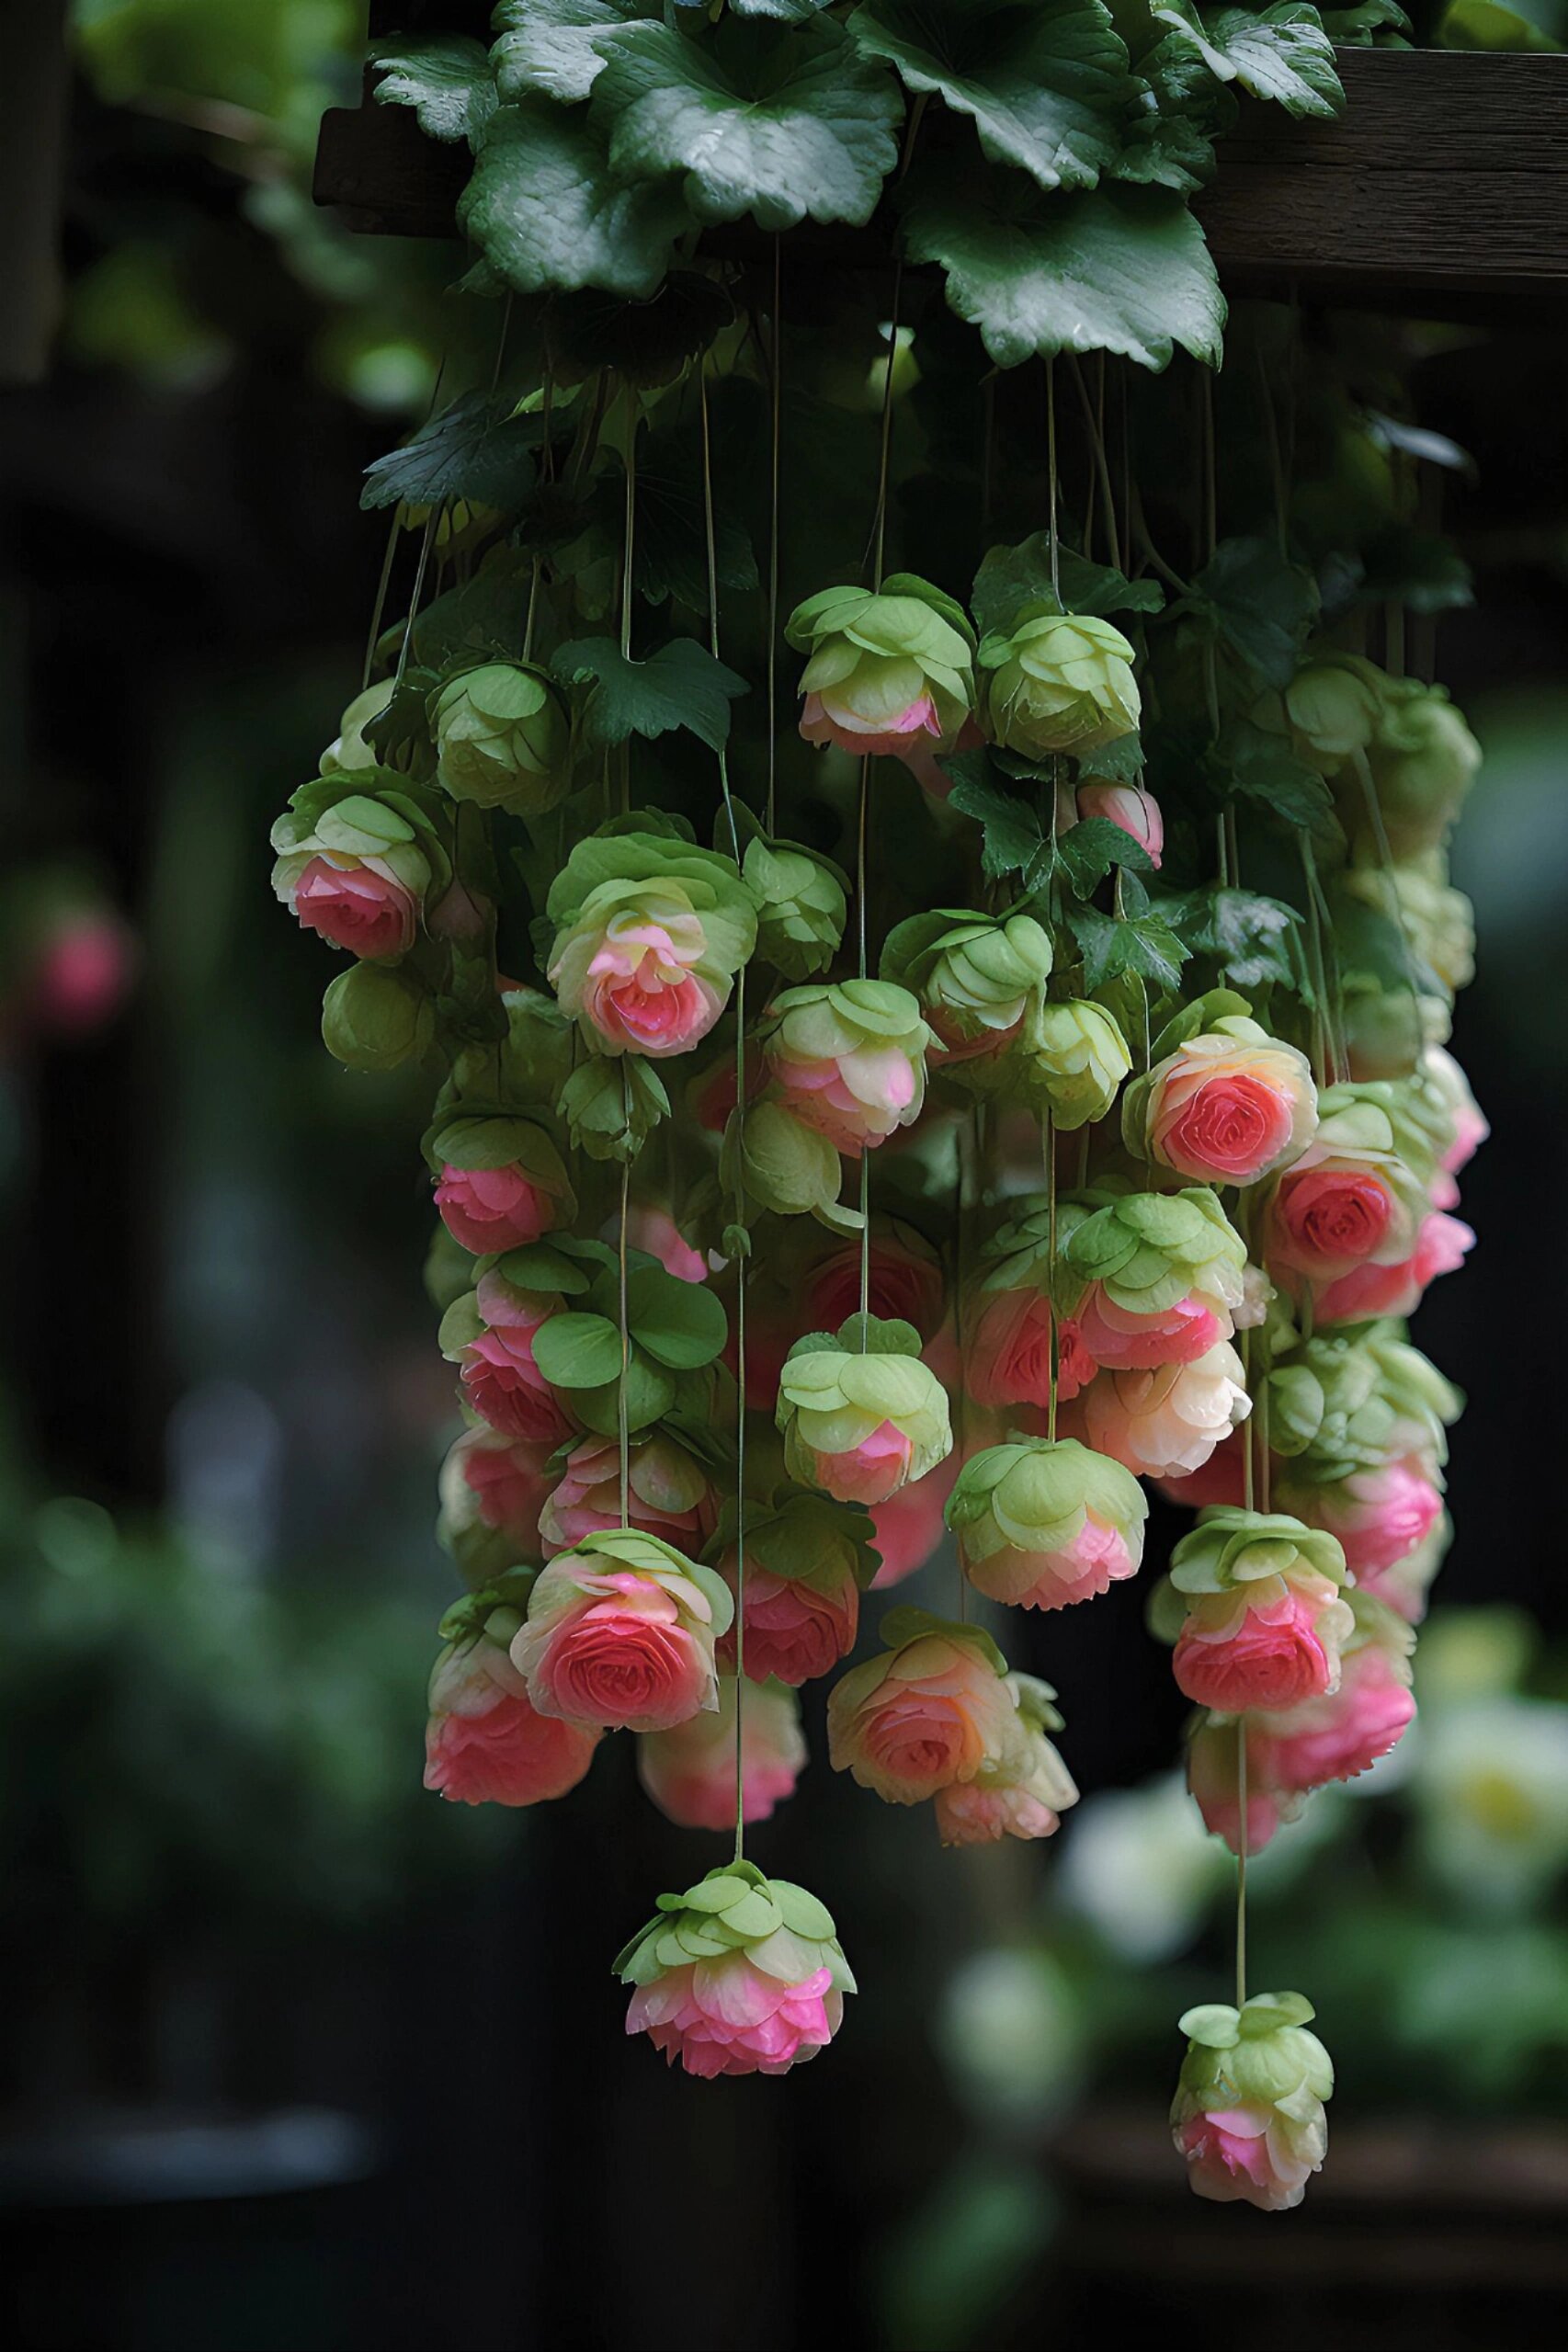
[879,530]
[379,608]
[1047,1146]
[776,353]
[1050,472]
[424,546]
[1102,464]
[622,1404]
[1243,1841]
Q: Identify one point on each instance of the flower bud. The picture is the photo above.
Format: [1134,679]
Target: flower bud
[801,906]
[890,673]
[1042,1524]
[740,1975]
[1076,1058]
[861,1422]
[1129,806]
[689,1770]
[502,738]
[1424,760]
[1059,682]
[1248,2115]
[502,1182]
[1026,1796]
[1265,1620]
[848,1060]
[934,1710]
[650,933]
[377,1018]
[976,977]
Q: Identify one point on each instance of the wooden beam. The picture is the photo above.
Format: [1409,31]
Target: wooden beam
[1444,182]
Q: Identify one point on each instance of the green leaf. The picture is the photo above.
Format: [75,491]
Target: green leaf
[776,125]
[1257,769]
[680,685]
[682,1324]
[475,450]
[1280,52]
[1177,113]
[648,344]
[1087,851]
[445,77]
[1141,946]
[670,548]
[1261,604]
[539,1266]
[546,210]
[576,1351]
[1358,28]
[1252,938]
[1016,842]
[555,48]
[1118,270]
[1046,85]
[1013,579]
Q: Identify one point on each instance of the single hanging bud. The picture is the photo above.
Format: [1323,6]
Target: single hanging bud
[740,1975]
[933,1710]
[1059,682]
[1152,1279]
[976,978]
[489,1334]
[621,1634]
[848,1060]
[1265,1613]
[1127,805]
[1041,1525]
[689,1770]
[376,1018]
[357,859]
[860,1422]
[500,1182]
[890,673]
[502,738]
[1248,2114]
[801,901]
[1073,1059]
[1424,760]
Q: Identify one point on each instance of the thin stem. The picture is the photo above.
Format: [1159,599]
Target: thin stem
[1241,1863]
[629,543]
[424,546]
[1048,1145]
[622,1409]
[1051,471]
[881,523]
[778,372]
[379,608]
[865,1244]
[1102,464]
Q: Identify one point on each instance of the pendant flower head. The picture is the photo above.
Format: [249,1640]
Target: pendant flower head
[934,1710]
[740,1974]
[650,933]
[621,1634]
[359,856]
[1024,1797]
[977,979]
[1265,1619]
[489,1334]
[1075,1058]
[1357,1195]
[500,1182]
[848,1060]
[807,1562]
[1041,1525]
[1152,1279]
[1165,1423]
[484,1743]
[1059,682]
[1248,2114]
[502,738]
[1231,1106]
[670,1494]
[890,673]
[860,1422]
[689,1770]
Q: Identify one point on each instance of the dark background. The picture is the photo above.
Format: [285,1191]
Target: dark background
[298,2058]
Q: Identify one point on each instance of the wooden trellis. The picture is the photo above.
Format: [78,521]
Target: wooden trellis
[1443,188]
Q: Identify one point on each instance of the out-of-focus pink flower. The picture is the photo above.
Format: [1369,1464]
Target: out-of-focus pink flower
[80,972]
[1379,1516]
[484,1744]
[689,1770]
[909,1524]
[1008,1357]
[655,1230]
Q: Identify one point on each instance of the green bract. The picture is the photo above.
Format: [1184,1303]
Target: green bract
[628,895]
[783,1931]
[774,1163]
[1150,1250]
[802,1537]
[1059,682]
[877,657]
[1034,1495]
[348,750]
[554,1590]
[832,1396]
[978,977]
[863,1027]
[376,1017]
[612,1107]
[502,738]
[1259,2055]
[1345,1404]
[365,816]
[1230,1547]
[1076,1058]
[801,902]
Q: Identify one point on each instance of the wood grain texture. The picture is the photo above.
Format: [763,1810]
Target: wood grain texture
[1445,182]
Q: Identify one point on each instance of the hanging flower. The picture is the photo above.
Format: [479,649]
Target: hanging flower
[740,1975]
[1059,682]
[1357,1195]
[484,1743]
[934,1710]
[689,1770]
[1340,1402]
[621,1633]
[1377,1516]
[1008,1358]
[1026,1796]
[1042,1524]
[861,1422]
[976,978]
[1248,2115]
[1074,1059]
[905,1279]
[908,1527]
[1265,1620]
[650,933]
[1422,760]
[848,1060]
[808,1561]
[1229,1106]
[358,856]
[670,1494]
[890,673]
[490,1333]
[502,738]
[801,905]
[491,1489]
[1166,1422]
[1127,805]
[375,1017]
[1441,1246]
[501,1183]
[1152,1279]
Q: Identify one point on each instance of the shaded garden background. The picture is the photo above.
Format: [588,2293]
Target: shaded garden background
[297,2057]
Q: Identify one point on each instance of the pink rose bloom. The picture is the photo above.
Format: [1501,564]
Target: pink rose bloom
[690,1771]
[500,1378]
[1264,1654]
[484,1744]
[1343,1734]
[892,738]
[1371,1291]
[906,1285]
[1094,1559]
[969,1814]
[670,1495]
[1235,2157]
[617,1646]
[1379,1516]
[1122,1342]
[493,1208]
[794,1631]
[355,907]
[855,1099]
[637,981]
[655,1232]
[727,2017]
[920,1718]
[1165,1423]
[1328,1220]
[909,1525]
[1406,1587]
[1214,1781]
[1129,806]
[1228,1106]
[868,1473]
[1008,1358]
[506,1479]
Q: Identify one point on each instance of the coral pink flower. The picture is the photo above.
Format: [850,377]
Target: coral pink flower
[655,1230]
[355,907]
[1379,1516]
[1371,1291]
[507,1478]
[968,1815]
[1129,806]
[1166,1422]
[1233,2156]
[1264,1656]
[690,1771]
[726,2017]
[1122,1342]
[1229,1104]
[921,1717]
[1008,1358]
[794,1631]
[905,1284]
[617,1646]
[855,1099]
[484,1744]
[500,1378]
[1343,1734]
[636,980]
[909,1525]
[868,1473]
[1214,1781]
[669,1495]
[493,1208]
[1328,1220]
